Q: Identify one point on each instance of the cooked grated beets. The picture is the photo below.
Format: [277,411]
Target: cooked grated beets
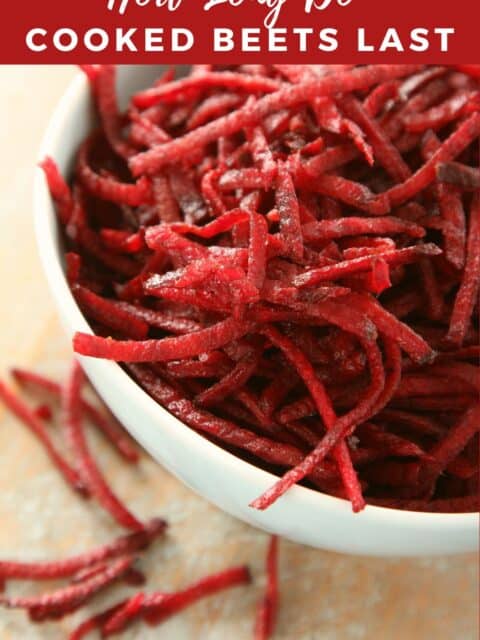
[293,223]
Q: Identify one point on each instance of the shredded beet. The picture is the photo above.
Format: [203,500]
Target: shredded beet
[96,569]
[59,190]
[29,418]
[164,350]
[65,600]
[124,545]
[110,315]
[459,175]
[268,609]
[87,467]
[111,429]
[107,187]
[287,259]
[44,412]
[95,622]
[156,607]
[285,98]
[467,295]
[448,449]
[325,410]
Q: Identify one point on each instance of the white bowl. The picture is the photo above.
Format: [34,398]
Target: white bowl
[302,515]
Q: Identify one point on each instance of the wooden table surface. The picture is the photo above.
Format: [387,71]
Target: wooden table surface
[326,596]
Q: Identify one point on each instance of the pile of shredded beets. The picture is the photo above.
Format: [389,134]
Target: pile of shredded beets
[97,570]
[287,258]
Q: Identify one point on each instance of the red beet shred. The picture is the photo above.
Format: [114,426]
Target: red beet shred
[100,568]
[288,259]
[268,607]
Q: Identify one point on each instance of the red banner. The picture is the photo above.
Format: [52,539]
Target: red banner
[235,31]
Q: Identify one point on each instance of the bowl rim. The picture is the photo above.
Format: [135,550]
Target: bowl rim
[210,453]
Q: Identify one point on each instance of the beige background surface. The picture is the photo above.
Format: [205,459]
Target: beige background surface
[325,596]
